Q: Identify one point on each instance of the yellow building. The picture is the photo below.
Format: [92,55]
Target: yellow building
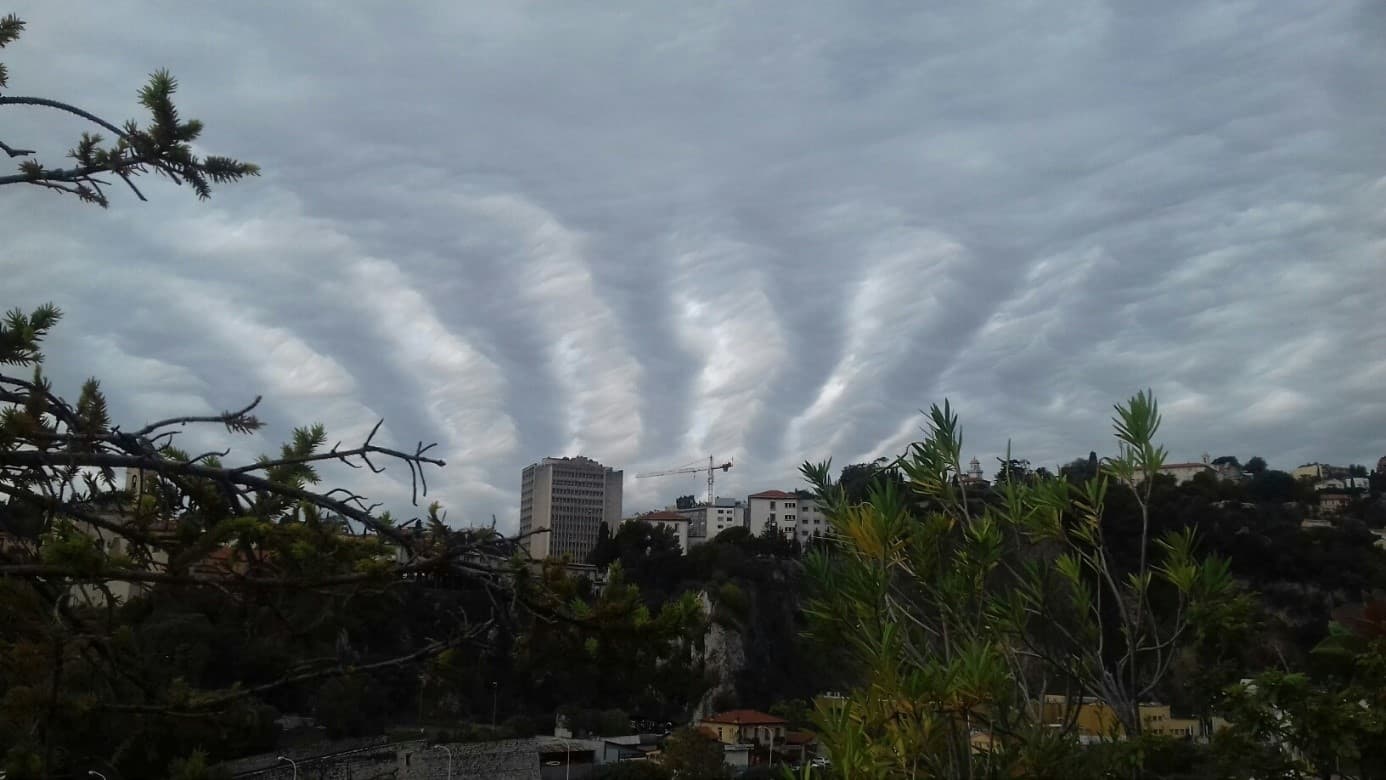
[745,727]
[1095,720]
[1157,720]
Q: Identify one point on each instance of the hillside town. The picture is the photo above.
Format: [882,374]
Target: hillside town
[572,501]
[570,506]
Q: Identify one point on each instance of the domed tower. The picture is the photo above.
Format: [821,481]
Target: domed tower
[974,471]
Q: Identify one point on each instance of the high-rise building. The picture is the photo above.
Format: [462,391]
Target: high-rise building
[571,497]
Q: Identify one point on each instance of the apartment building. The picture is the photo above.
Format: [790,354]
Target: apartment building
[569,498]
[794,515]
[705,522]
[771,508]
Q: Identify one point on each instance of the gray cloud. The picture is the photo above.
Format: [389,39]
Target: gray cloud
[771,232]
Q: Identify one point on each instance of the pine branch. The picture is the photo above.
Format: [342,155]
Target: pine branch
[6,100]
[40,459]
[234,421]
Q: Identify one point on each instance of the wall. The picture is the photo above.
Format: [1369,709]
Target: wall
[374,759]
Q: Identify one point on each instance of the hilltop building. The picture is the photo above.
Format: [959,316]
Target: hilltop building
[570,498]
[1185,472]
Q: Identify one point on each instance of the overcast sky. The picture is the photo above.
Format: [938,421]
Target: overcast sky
[767,231]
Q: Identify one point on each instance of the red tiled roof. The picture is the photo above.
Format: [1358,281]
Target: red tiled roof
[745,718]
[663,514]
[799,738]
[773,494]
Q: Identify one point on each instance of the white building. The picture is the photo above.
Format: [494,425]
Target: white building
[705,522]
[810,521]
[1344,483]
[1185,472]
[772,508]
[571,498]
[797,517]
[673,521]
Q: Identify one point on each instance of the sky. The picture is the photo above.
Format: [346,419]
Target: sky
[769,232]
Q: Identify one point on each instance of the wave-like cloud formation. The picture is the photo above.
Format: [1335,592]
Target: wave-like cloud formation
[769,232]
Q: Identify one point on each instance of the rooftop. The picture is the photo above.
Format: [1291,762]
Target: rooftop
[745,718]
[663,514]
[773,494]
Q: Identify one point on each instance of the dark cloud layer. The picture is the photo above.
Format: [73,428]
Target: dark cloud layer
[770,231]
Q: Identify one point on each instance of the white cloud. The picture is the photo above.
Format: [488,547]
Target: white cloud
[770,232]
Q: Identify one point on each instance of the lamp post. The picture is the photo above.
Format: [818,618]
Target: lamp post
[292,763]
[447,750]
[495,691]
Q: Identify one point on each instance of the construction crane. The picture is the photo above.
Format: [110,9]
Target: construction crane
[711,468]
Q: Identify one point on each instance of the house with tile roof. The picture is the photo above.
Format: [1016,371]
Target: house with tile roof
[745,727]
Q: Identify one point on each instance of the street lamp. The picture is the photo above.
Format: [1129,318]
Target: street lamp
[292,763]
[447,750]
[495,691]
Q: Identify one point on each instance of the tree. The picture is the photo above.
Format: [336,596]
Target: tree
[1080,470]
[1273,486]
[1255,465]
[1227,460]
[649,555]
[164,146]
[692,756]
[857,478]
[737,534]
[961,620]
[607,648]
[1012,470]
[103,579]
[1330,721]
[686,502]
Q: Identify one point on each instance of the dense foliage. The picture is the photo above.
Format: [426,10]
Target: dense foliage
[978,621]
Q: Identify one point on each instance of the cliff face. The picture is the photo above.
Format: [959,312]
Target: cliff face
[724,659]
[754,651]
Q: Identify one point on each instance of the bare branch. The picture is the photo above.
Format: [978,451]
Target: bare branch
[7,100]
[13,152]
